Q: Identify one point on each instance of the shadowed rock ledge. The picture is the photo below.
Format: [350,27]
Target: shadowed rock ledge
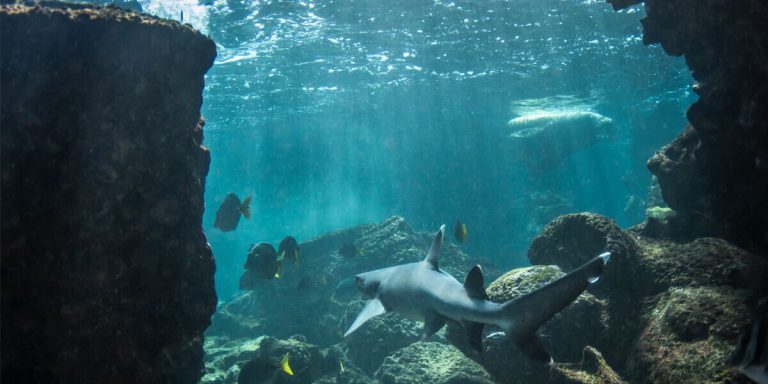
[106,273]
[715,173]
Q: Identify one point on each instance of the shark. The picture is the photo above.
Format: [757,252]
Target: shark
[421,291]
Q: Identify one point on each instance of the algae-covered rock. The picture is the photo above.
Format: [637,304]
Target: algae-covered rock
[429,362]
[591,370]
[571,240]
[705,261]
[690,334]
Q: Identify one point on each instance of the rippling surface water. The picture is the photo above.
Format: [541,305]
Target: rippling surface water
[335,113]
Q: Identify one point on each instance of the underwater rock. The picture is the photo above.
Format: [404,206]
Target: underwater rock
[690,334]
[717,168]
[663,264]
[430,362]
[591,370]
[571,240]
[680,300]
[106,273]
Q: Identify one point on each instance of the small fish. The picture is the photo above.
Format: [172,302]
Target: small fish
[228,215]
[263,261]
[263,370]
[289,249]
[312,282]
[460,232]
[351,250]
[751,354]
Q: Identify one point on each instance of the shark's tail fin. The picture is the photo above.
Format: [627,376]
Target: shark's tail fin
[524,315]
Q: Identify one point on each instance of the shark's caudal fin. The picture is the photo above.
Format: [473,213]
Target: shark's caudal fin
[527,313]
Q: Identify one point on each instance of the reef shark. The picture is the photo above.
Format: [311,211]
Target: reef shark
[421,291]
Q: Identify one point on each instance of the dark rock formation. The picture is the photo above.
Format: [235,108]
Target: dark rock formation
[717,169]
[571,240]
[106,273]
[677,315]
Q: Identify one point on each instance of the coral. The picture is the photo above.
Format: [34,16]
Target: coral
[107,275]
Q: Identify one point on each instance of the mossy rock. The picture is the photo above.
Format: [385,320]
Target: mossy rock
[430,362]
[520,281]
[691,332]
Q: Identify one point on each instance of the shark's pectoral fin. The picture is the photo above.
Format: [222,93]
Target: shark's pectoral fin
[474,334]
[374,308]
[531,346]
[434,250]
[433,321]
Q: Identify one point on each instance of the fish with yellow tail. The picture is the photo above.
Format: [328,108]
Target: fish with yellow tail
[262,370]
[460,232]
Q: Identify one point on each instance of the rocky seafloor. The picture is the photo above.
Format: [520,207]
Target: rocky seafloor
[662,312]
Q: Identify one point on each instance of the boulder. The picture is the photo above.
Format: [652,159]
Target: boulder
[430,362]
[690,334]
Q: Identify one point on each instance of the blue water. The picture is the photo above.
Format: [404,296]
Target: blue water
[336,113]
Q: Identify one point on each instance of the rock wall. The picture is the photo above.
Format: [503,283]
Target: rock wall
[106,273]
[715,173]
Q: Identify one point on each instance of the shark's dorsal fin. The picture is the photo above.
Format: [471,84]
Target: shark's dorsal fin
[374,308]
[474,284]
[434,250]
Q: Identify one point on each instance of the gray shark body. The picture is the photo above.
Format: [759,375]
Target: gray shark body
[421,291]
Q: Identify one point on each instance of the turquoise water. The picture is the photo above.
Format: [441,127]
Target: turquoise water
[336,113]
